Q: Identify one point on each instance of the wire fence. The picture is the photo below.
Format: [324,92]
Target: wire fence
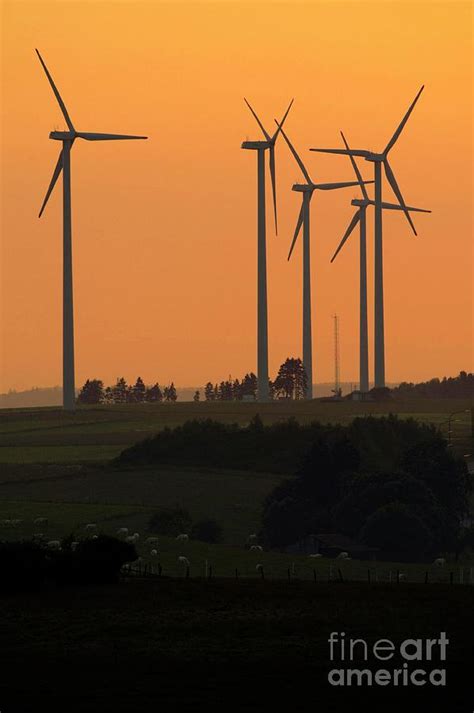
[330,574]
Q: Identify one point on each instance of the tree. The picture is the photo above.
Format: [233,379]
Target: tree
[139,390]
[92,392]
[169,393]
[120,391]
[197,396]
[209,392]
[153,394]
[291,381]
[248,386]
[399,532]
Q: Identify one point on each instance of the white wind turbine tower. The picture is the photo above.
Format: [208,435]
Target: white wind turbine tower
[64,164]
[378,159]
[360,217]
[262,310]
[307,190]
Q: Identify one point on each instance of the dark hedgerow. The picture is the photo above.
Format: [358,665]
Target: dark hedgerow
[170,522]
[24,566]
[94,561]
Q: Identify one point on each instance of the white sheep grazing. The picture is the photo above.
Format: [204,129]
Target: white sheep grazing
[136,536]
[6,523]
[439,562]
[16,523]
[130,539]
[95,537]
[183,560]
[54,545]
[402,576]
[317,555]
[122,531]
[343,556]
[183,537]
[40,521]
[151,540]
[74,546]
[154,553]
[252,538]
[90,526]
[256,548]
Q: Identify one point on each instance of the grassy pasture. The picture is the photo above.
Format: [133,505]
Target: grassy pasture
[98,433]
[233,498]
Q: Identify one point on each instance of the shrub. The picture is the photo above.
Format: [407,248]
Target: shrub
[24,566]
[207,531]
[94,561]
[171,522]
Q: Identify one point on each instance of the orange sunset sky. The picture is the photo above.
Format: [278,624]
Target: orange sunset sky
[164,230]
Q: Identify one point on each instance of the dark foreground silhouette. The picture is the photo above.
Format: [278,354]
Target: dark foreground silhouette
[222,645]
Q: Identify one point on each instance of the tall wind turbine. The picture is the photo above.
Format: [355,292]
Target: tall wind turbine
[64,164]
[360,217]
[378,159]
[262,311]
[307,189]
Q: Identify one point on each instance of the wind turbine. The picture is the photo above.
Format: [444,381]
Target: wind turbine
[64,164]
[360,217]
[262,311]
[378,159]
[307,189]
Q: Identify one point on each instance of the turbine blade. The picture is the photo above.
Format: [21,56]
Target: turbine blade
[350,228]
[332,186]
[356,169]
[297,229]
[267,136]
[280,125]
[56,174]
[402,123]
[293,151]
[56,94]
[344,152]
[106,137]
[396,190]
[273,177]
[396,206]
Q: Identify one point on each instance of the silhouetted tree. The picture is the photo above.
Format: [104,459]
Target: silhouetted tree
[120,391]
[169,393]
[92,392]
[153,394]
[249,385]
[139,390]
[209,392]
[291,382]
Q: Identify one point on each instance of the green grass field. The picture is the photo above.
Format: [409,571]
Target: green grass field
[54,464]
[99,433]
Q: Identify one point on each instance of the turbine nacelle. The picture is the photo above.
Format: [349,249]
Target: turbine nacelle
[256,145]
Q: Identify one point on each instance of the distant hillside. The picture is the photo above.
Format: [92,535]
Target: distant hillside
[52,395]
